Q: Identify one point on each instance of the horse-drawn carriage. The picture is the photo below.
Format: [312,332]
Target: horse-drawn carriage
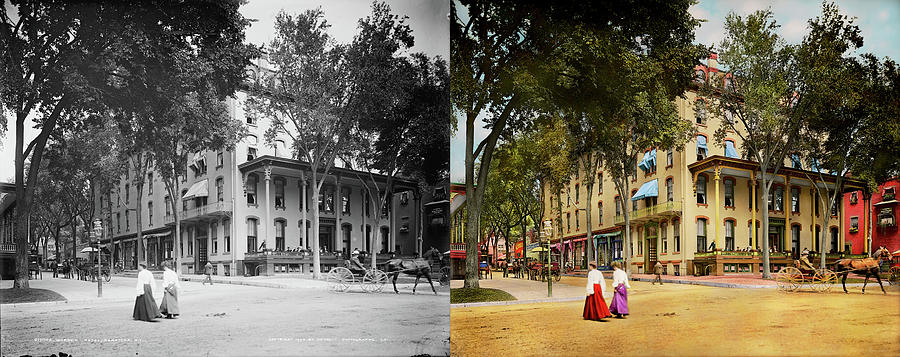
[792,277]
[87,268]
[894,269]
[372,280]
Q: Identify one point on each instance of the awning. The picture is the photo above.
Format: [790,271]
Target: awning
[648,189]
[730,151]
[644,164]
[605,235]
[701,142]
[199,189]
[456,203]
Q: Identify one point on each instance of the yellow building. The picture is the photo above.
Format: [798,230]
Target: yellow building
[692,210]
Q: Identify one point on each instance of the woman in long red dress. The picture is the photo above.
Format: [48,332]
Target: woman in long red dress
[594,305]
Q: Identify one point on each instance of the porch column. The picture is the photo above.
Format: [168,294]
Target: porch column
[267,221]
[787,212]
[338,213]
[716,179]
[753,230]
[303,229]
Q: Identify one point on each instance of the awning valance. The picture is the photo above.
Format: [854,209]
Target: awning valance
[198,189]
[648,189]
[730,150]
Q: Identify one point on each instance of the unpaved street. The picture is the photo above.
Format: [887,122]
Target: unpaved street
[676,319]
[237,321]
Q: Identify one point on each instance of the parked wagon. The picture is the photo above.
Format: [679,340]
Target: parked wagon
[792,278]
[341,278]
[895,268]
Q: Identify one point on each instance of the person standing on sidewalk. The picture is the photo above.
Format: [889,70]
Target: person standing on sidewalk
[144,305]
[208,271]
[619,305]
[594,305]
[171,288]
[657,269]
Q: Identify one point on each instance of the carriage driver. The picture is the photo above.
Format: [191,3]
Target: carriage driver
[804,259]
[354,261]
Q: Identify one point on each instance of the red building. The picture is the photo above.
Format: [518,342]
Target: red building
[875,216]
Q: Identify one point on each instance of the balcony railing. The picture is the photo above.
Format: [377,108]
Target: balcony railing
[665,207]
[8,247]
[210,209]
[458,246]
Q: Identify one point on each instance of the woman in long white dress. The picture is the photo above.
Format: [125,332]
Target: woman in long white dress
[171,289]
[144,305]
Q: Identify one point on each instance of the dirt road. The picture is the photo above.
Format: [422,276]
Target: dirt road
[677,319]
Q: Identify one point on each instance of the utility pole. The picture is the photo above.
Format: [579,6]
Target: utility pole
[98,233]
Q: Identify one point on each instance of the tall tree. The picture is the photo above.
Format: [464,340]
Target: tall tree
[304,96]
[764,95]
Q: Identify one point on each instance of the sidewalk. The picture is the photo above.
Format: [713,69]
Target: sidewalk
[527,291]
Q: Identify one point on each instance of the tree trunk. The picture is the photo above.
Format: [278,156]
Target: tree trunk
[764,247]
[317,258]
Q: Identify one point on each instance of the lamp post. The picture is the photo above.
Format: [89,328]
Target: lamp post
[548,229]
[98,232]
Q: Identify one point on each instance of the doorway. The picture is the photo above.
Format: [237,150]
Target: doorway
[202,257]
[345,233]
[326,237]
[384,240]
[650,258]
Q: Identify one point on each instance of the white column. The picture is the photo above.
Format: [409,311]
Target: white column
[338,213]
[267,220]
[303,188]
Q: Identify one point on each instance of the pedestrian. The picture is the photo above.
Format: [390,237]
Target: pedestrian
[619,305]
[144,305]
[171,289]
[55,268]
[594,304]
[208,270]
[657,269]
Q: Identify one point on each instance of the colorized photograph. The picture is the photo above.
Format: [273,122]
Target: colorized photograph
[678,177]
[224,178]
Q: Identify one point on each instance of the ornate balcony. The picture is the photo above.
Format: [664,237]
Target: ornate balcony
[662,210]
[8,247]
[216,209]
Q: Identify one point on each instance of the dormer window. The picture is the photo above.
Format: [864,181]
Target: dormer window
[888,194]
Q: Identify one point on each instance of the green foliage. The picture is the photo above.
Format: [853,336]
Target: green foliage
[466,295]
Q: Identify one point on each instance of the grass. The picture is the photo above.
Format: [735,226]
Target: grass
[16,296]
[465,295]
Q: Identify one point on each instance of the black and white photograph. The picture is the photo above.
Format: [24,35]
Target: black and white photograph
[227,178]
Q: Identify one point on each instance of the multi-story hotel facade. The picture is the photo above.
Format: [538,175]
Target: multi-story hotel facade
[690,207]
[244,209]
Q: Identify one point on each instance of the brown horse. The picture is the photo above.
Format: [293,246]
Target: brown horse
[418,267]
[868,265]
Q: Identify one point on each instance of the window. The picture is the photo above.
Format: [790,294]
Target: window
[127,193]
[731,149]
[700,112]
[834,240]
[119,222]
[368,203]
[795,239]
[701,189]
[779,198]
[888,194]
[251,154]
[568,222]
[150,213]
[220,189]
[251,120]
[618,206]
[577,221]
[795,199]
[634,203]
[576,193]
[669,158]
[326,199]
[568,197]
[818,236]
[168,201]
[854,224]
[184,202]
[345,199]
[701,234]
[729,235]
[701,147]
[279,192]
[600,183]
[600,213]
[279,234]
[729,193]
[835,207]
[662,235]
[220,159]
[279,148]
[213,237]
[226,232]
[795,161]
[252,180]
[886,217]
[634,173]
[127,221]
[676,233]
[854,198]
[816,199]
[670,189]
[149,184]
[251,234]
[700,76]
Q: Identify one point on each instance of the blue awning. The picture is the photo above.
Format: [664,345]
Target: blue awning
[652,159]
[648,189]
[701,142]
[644,165]
[730,151]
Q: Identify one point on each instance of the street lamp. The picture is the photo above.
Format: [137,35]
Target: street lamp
[548,229]
[98,232]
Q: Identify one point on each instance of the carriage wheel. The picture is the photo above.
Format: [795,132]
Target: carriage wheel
[374,281]
[340,278]
[823,280]
[895,275]
[106,276]
[445,276]
[789,279]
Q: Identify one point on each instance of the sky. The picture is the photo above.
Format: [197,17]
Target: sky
[428,19]
[878,20]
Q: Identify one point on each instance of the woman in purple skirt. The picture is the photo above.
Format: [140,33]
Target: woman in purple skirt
[619,305]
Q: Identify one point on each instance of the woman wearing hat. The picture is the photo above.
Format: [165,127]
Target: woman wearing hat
[144,305]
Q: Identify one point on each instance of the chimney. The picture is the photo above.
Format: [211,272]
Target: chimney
[713,61]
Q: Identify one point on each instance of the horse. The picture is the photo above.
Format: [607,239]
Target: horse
[418,267]
[868,265]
